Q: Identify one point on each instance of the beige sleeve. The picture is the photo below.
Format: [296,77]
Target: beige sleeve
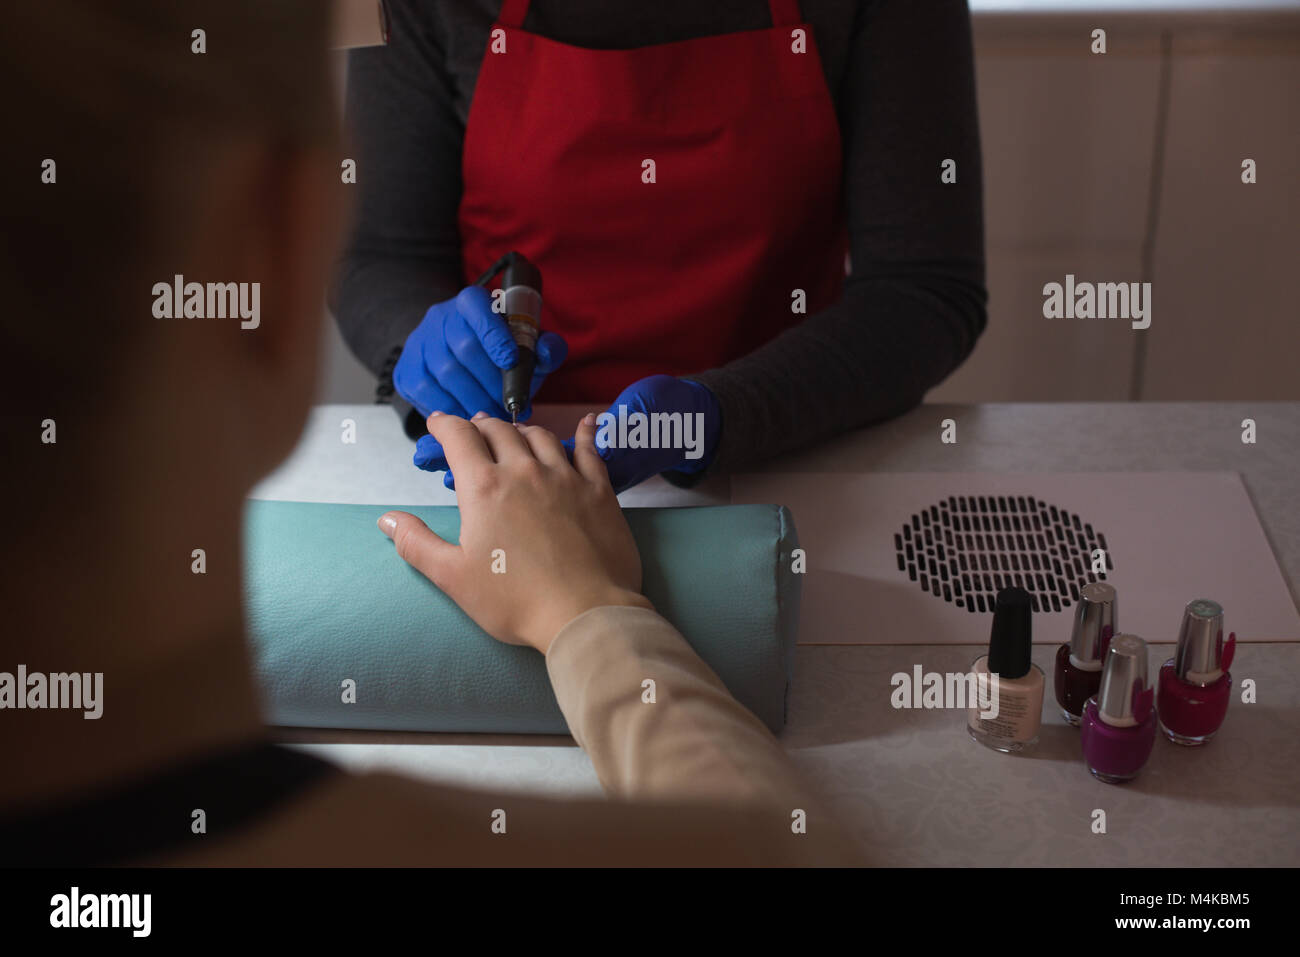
[695,742]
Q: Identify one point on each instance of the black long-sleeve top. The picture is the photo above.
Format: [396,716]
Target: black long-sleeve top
[901,76]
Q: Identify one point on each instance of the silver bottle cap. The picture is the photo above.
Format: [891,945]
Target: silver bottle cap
[1199,657]
[1094,624]
[1123,681]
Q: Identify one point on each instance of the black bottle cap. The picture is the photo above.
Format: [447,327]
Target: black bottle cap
[1011,645]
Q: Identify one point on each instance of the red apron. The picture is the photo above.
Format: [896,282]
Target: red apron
[692,270]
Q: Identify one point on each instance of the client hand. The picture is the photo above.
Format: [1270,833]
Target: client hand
[566,546]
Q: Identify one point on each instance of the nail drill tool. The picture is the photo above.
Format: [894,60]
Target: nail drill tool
[521,283]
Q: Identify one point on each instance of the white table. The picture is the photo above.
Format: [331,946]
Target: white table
[910,783]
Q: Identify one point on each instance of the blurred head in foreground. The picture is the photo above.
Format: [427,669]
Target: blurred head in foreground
[155,148]
[156,139]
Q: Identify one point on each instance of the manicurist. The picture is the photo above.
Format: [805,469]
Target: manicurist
[694,182]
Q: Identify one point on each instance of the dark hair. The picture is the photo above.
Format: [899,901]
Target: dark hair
[114,94]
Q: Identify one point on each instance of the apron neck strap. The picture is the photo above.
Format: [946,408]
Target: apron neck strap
[512,13]
[784,13]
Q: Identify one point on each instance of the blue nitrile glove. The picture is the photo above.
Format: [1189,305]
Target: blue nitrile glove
[452,362]
[657,394]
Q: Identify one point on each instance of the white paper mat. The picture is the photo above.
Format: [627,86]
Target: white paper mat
[1171,537]
[375,466]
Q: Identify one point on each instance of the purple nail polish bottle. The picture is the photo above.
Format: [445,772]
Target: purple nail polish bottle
[1119,723]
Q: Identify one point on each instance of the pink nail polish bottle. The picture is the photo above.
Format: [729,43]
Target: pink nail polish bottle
[1195,684]
[1118,727]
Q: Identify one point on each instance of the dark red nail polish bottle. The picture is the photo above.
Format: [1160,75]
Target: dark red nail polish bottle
[1079,661]
[1195,684]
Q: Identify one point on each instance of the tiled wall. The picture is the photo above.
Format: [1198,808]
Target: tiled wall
[1125,167]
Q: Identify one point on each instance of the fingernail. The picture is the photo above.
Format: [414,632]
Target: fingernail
[388,524]
[479,415]
[435,412]
[589,418]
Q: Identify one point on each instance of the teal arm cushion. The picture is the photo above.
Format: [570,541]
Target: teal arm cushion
[327,599]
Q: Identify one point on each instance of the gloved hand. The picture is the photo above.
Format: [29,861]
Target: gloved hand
[453,360]
[658,394]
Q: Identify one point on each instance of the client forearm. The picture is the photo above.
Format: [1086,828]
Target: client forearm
[684,737]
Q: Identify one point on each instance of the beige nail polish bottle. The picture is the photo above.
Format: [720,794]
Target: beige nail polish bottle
[1009,708]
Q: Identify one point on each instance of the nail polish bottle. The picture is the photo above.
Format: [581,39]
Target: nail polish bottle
[1119,723]
[1078,661]
[1008,716]
[1195,684]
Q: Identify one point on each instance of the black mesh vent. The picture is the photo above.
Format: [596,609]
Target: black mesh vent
[967,548]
